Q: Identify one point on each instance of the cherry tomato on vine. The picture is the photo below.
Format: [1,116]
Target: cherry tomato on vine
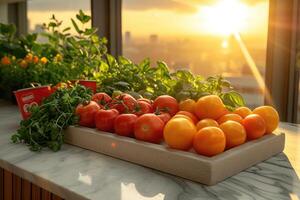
[142,108]
[124,103]
[145,100]
[166,103]
[101,98]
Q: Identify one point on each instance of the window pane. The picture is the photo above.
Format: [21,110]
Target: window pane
[40,11]
[227,37]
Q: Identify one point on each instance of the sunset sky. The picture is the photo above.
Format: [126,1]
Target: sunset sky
[219,17]
[169,17]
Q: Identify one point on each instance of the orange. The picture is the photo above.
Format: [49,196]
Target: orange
[270,115]
[179,133]
[234,132]
[243,111]
[58,57]
[44,60]
[28,58]
[255,126]
[233,117]
[182,116]
[23,64]
[210,106]
[206,123]
[187,105]
[35,59]
[209,141]
[189,114]
[5,60]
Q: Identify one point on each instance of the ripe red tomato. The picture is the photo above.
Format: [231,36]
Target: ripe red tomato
[165,117]
[146,100]
[104,119]
[101,98]
[142,108]
[86,113]
[124,124]
[124,103]
[149,127]
[166,103]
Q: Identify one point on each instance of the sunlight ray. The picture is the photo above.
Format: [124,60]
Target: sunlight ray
[250,61]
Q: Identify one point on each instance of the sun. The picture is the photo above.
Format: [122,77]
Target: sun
[225,18]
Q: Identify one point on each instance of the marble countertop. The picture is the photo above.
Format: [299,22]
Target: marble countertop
[74,173]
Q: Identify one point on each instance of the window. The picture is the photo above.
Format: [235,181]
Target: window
[227,37]
[40,11]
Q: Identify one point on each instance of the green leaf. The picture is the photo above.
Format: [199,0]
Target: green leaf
[66,29]
[122,85]
[226,83]
[31,38]
[86,19]
[232,100]
[90,31]
[7,30]
[83,18]
[124,61]
[134,94]
[111,60]
[163,65]
[95,38]
[76,26]
[52,24]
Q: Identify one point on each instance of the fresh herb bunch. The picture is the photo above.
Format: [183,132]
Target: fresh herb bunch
[153,81]
[45,126]
[188,85]
[126,76]
[57,54]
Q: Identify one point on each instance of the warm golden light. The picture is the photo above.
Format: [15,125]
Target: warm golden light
[224,44]
[226,17]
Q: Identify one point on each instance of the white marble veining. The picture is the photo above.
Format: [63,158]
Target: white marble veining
[74,173]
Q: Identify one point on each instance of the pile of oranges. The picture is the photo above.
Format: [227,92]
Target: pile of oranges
[209,128]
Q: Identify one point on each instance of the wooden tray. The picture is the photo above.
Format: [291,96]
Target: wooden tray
[189,165]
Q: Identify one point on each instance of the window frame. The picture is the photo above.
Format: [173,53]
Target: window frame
[16,13]
[107,17]
[281,72]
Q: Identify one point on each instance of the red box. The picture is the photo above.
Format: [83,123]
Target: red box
[31,96]
[89,84]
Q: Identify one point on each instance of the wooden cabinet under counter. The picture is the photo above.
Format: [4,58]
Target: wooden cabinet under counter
[13,187]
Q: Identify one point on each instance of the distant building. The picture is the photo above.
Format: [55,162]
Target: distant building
[153,38]
[127,37]
[38,28]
